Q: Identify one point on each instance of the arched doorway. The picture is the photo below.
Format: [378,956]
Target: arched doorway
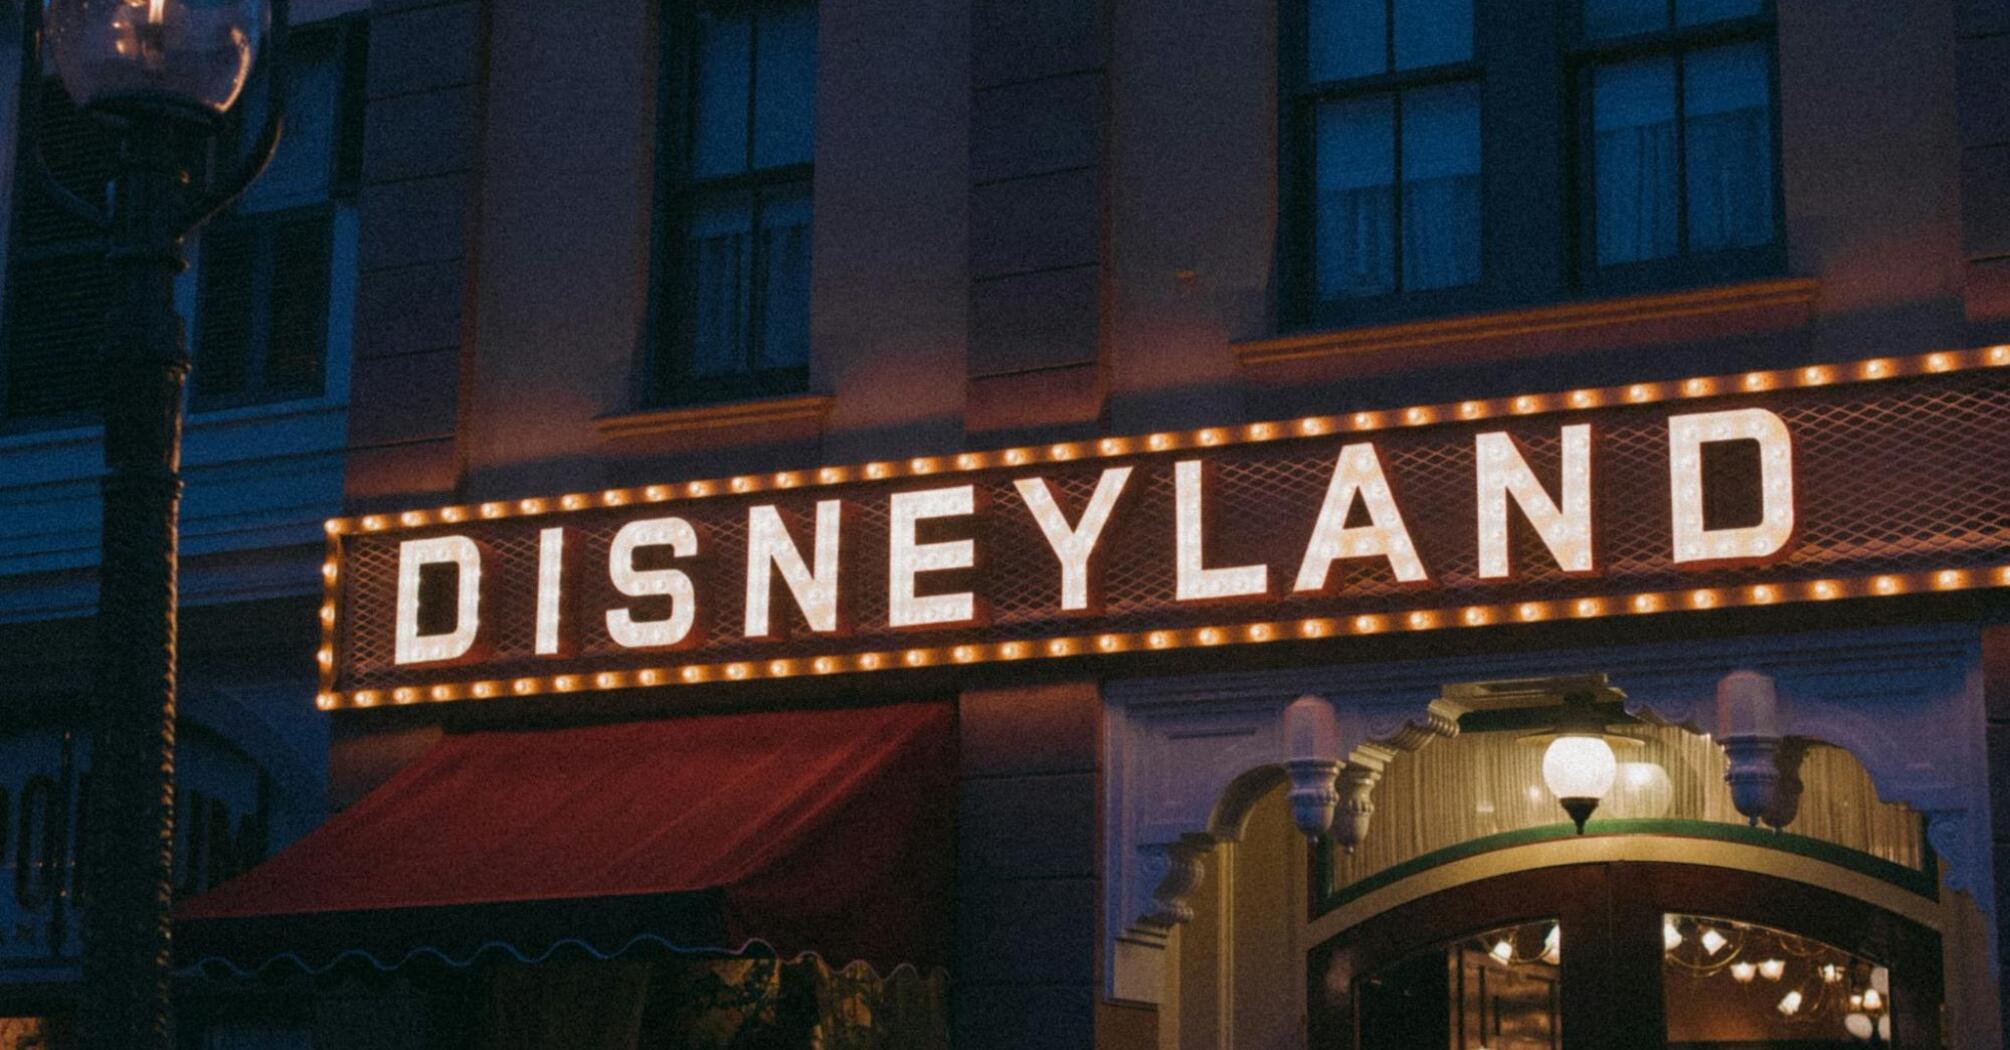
[1627,954]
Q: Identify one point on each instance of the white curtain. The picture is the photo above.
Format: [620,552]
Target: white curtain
[1481,784]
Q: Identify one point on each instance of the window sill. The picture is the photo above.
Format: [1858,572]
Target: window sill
[760,412]
[1640,320]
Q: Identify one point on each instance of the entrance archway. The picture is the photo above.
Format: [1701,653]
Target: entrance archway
[1627,955]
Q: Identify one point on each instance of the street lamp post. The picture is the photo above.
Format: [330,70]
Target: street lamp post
[162,73]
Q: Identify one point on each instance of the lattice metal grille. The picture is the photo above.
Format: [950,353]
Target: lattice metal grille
[1898,476]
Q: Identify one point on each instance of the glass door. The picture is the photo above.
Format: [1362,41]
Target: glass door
[1627,955]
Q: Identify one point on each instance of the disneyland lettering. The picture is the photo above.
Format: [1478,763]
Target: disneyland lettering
[1361,517]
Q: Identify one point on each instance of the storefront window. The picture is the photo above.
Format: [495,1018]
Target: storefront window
[1740,984]
[1484,789]
[1497,990]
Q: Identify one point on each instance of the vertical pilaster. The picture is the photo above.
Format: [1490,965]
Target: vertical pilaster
[1996,698]
[415,251]
[1039,74]
[1982,53]
[1027,867]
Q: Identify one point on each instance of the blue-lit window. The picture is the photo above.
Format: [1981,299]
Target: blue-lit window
[732,298]
[1677,152]
[1387,114]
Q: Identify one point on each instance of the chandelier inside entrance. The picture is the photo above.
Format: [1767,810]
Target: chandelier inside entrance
[1755,976]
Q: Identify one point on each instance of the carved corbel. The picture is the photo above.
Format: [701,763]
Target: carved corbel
[1786,800]
[1357,788]
[1180,876]
[1748,724]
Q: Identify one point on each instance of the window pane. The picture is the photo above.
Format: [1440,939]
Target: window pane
[1433,32]
[1728,123]
[1441,187]
[785,265]
[1346,38]
[785,92]
[1727,983]
[1610,18]
[719,110]
[302,168]
[722,264]
[1633,131]
[1695,12]
[1354,226]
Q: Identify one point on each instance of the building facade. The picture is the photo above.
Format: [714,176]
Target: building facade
[1227,457]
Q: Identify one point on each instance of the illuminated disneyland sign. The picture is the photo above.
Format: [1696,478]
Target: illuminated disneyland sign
[1857,480]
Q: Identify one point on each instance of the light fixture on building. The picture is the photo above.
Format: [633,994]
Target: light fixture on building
[1671,938]
[1790,1004]
[1831,973]
[1773,969]
[1579,766]
[1714,942]
[1860,1027]
[1743,972]
[1552,946]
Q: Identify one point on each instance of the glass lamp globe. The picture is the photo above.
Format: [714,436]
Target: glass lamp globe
[1579,769]
[194,54]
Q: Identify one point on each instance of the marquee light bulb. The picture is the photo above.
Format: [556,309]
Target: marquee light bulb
[771,548]
[1074,545]
[455,642]
[1504,474]
[1687,434]
[1193,580]
[675,628]
[908,558]
[1357,475]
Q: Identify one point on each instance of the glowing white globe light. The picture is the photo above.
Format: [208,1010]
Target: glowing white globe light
[1641,791]
[1579,771]
[1859,1026]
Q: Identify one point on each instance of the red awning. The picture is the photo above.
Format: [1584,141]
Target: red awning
[813,831]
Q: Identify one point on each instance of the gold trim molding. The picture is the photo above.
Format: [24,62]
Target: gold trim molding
[708,417]
[1721,299]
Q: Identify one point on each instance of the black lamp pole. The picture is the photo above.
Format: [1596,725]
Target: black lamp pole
[156,199]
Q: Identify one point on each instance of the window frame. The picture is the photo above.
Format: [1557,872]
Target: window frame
[348,38]
[1299,99]
[1684,269]
[1537,227]
[665,378]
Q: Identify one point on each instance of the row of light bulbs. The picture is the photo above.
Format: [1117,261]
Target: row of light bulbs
[1159,640]
[1875,369]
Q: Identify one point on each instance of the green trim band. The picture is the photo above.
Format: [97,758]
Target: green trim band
[1912,880]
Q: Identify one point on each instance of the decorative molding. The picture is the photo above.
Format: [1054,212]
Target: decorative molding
[1187,757]
[708,417]
[1376,339]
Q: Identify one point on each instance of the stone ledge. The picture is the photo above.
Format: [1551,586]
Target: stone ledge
[1722,301]
[713,416]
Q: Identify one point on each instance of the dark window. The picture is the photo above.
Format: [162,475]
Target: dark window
[261,317]
[58,286]
[732,273]
[1442,156]
[1676,157]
